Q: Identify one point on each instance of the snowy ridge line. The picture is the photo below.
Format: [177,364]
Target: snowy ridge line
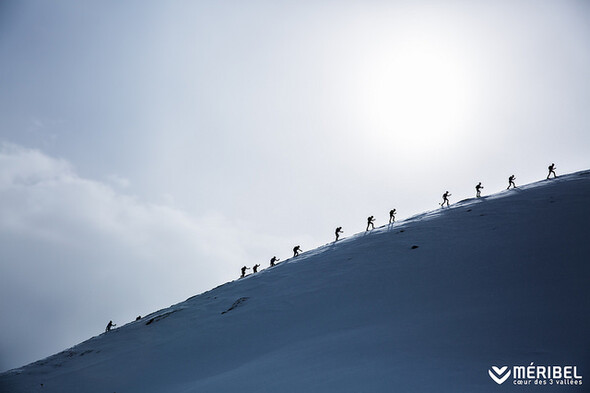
[498,195]
[427,215]
[432,213]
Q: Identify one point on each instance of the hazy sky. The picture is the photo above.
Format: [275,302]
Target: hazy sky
[149,149]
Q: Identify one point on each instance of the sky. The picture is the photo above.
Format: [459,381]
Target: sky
[149,150]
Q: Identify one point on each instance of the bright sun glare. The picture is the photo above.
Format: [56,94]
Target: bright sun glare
[417,94]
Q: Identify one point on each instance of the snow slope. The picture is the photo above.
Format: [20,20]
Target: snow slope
[501,280]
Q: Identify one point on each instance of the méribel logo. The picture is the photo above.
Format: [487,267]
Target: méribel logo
[499,374]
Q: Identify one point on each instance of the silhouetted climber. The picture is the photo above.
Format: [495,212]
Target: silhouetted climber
[370,221]
[244,271]
[338,232]
[551,170]
[109,326]
[273,260]
[392,216]
[296,250]
[255,268]
[446,196]
[511,181]
[478,190]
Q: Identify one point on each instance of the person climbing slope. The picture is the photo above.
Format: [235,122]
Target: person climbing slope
[110,325]
[370,221]
[511,182]
[244,271]
[478,189]
[338,232]
[551,170]
[445,196]
[273,261]
[392,216]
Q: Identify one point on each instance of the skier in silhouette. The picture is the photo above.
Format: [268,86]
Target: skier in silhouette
[445,196]
[511,182]
[255,268]
[273,261]
[338,232]
[392,216]
[109,326]
[478,190]
[370,221]
[244,271]
[296,251]
[551,170]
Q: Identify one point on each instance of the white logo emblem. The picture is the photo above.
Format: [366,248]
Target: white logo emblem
[501,377]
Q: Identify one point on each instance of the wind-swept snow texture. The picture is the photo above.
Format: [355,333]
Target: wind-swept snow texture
[427,305]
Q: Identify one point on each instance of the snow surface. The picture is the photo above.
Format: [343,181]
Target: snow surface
[500,280]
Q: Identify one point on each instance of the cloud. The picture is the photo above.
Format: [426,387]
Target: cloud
[76,253]
[118,180]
